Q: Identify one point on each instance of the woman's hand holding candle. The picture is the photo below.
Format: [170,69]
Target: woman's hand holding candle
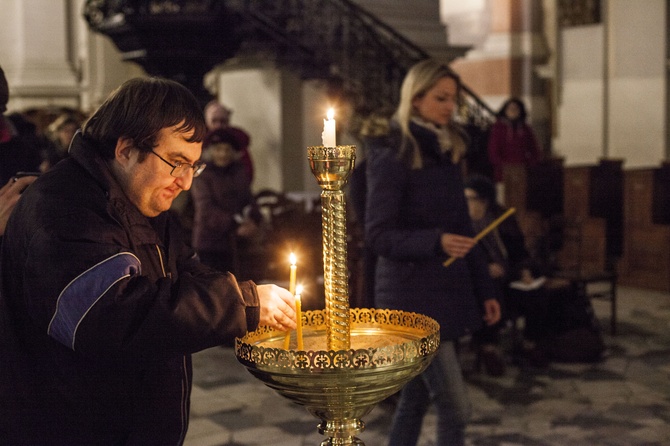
[456,245]
[479,236]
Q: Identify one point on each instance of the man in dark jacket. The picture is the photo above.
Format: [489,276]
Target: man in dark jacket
[102,303]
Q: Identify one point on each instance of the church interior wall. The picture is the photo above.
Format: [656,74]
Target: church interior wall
[66,64]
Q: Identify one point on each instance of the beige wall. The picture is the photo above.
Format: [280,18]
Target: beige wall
[594,109]
[283,116]
[635,75]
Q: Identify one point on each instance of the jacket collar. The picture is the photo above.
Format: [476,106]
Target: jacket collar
[88,157]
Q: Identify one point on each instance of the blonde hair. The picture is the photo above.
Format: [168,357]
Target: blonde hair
[419,79]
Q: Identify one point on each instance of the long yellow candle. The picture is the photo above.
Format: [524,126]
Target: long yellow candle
[291,288]
[298,311]
[291,281]
[485,231]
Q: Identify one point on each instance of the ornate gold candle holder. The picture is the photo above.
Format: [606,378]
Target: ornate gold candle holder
[352,358]
[332,166]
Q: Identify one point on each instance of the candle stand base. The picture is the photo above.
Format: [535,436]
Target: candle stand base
[388,348]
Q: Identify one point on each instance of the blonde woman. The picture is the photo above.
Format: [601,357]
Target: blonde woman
[416,218]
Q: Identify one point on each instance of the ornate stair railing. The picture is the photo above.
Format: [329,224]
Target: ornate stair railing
[337,41]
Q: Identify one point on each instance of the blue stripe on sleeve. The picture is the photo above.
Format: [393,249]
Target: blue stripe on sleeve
[83,292]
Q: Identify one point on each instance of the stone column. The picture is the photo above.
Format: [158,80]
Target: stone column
[37,53]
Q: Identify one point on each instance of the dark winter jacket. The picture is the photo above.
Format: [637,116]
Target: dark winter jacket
[407,210]
[512,255]
[219,195]
[16,152]
[100,310]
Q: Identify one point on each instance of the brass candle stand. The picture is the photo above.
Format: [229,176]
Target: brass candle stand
[352,358]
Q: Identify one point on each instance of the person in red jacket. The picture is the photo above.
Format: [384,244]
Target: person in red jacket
[512,140]
[217,116]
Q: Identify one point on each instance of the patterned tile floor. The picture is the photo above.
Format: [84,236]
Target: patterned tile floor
[623,400]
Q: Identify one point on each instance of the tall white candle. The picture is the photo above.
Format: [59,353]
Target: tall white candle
[328,135]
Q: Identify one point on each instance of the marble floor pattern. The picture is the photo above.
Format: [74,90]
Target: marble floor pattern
[624,400]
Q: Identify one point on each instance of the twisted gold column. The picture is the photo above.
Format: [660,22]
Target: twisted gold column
[332,166]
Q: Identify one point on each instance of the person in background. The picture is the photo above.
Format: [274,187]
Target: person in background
[521,277]
[16,154]
[102,302]
[512,140]
[217,116]
[60,133]
[506,255]
[225,216]
[9,197]
[416,218]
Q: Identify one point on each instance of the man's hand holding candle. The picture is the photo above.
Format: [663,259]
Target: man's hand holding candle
[277,307]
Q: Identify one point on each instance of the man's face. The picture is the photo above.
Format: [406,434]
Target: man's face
[217,117]
[148,183]
[223,154]
[477,206]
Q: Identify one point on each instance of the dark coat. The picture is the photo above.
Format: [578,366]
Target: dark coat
[219,194]
[100,311]
[515,257]
[406,212]
[16,153]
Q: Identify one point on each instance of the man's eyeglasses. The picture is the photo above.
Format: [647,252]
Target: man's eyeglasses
[180,169]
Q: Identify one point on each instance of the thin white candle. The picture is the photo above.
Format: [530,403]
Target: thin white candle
[328,135]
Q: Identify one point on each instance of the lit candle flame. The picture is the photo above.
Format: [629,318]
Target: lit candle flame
[330,114]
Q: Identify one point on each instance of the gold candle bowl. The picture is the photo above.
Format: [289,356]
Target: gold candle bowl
[388,348]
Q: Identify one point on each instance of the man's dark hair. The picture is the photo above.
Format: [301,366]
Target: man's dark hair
[138,110]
